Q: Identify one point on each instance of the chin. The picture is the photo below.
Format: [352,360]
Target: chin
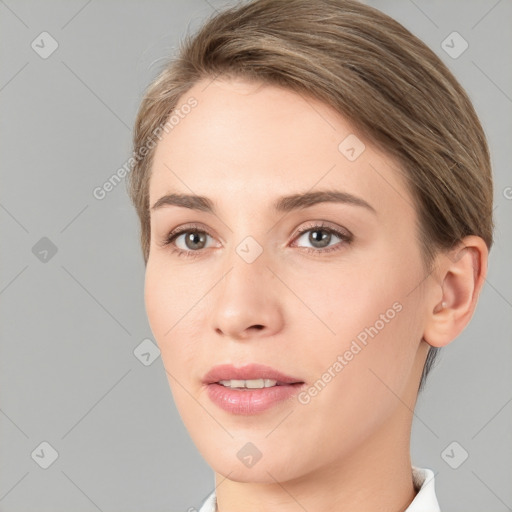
[257,474]
[274,465]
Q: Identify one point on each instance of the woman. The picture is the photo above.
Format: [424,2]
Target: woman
[315,196]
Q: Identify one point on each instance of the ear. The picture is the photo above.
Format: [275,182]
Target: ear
[453,297]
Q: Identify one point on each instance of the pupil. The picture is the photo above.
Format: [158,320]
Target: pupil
[195,238]
[315,239]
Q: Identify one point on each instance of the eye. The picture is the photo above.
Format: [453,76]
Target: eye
[321,235]
[194,239]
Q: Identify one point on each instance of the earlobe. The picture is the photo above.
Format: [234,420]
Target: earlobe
[461,275]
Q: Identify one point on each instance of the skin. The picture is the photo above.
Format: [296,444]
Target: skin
[244,145]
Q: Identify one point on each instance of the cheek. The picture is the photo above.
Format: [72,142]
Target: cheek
[169,291]
[356,375]
[165,311]
[342,302]
[174,304]
[157,301]
[368,317]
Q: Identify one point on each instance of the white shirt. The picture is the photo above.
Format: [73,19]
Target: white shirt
[425,500]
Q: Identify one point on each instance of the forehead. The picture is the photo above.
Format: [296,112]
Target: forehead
[245,140]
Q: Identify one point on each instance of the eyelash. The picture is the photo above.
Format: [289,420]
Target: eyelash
[168,241]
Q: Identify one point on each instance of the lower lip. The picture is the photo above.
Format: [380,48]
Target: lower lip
[250,401]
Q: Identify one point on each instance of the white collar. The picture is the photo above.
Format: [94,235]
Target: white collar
[424,501]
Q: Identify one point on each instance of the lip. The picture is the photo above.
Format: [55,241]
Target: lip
[249,371]
[249,401]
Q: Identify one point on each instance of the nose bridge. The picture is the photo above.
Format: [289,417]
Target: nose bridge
[246,266]
[245,297]
[249,242]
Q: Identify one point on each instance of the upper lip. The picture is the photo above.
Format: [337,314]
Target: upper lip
[247,372]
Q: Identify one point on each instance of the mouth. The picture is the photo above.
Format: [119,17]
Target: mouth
[246,384]
[250,376]
[249,389]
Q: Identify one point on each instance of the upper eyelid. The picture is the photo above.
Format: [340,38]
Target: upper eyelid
[187,228]
[308,225]
[322,224]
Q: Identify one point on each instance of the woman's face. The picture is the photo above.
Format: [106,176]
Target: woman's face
[343,314]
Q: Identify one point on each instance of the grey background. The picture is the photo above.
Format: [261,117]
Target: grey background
[70,321]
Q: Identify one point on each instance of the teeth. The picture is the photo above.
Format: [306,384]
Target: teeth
[250,383]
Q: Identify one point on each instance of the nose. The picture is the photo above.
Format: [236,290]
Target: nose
[247,302]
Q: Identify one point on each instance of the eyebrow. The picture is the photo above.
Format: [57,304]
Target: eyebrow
[282,204]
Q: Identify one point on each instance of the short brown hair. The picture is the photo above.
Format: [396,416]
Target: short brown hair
[393,89]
